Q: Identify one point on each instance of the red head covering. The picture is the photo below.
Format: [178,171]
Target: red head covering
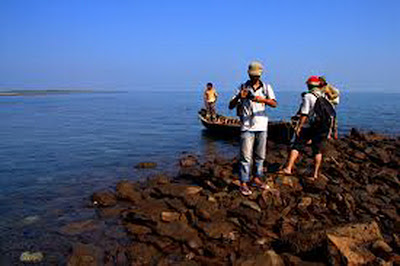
[313,80]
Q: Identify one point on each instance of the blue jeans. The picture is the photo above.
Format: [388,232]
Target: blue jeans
[248,141]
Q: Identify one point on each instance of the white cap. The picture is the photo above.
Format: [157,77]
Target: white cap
[255,68]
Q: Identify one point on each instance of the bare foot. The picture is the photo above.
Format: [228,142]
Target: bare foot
[257,181]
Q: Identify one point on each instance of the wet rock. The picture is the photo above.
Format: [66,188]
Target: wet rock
[193,190]
[389,176]
[136,229]
[380,156]
[149,213]
[372,188]
[104,199]
[356,134]
[85,255]
[203,215]
[76,228]
[251,204]
[110,212]
[177,191]
[31,257]
[218,230]
[146,165]
[30,220]
[128,191]
[349,243]
[268,258]
[170,216]
[381,247]
[142,254]
[180,232]
[188,161]
[305,202]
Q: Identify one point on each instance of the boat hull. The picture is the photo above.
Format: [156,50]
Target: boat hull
[278,131]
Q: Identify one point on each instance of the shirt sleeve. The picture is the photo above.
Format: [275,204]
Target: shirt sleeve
[270,93]
[305,105]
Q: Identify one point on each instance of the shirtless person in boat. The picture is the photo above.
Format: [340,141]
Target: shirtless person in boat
[210,99]
[250,101]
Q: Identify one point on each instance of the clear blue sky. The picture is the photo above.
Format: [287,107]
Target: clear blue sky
[183,44]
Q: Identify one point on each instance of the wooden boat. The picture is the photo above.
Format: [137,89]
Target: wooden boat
[279,131]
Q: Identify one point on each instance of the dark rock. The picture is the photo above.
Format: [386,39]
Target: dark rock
[146,165]
[80,227]
[347,243]
[180,232]
[128,191]
[136,229]
[381,248]
[104,199]
[218,230]
[142,254]
[188,161]
[85,255]
[170,216]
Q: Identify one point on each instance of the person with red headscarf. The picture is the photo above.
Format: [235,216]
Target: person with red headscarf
[306,131]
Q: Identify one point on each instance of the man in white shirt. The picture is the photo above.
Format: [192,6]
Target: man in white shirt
[250,101]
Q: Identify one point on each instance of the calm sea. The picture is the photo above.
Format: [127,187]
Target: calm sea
[55,150]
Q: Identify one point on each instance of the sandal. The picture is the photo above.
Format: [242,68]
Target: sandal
[245,191]
[310,179]
[281,172]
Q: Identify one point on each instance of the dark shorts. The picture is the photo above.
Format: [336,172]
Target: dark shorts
[318,140]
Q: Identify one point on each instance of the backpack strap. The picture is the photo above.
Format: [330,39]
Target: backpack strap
[265,89]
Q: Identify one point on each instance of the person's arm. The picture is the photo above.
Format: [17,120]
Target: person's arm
[304,112]
[234,102]
[270,102]
[302,121]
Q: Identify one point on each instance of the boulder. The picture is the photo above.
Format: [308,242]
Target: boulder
[348,244]
[80,227]
[381,248]
[31,257]
[85,255]
[218,230]
[136,229]
[128,191]
[188,161]
[170,216]
[251,204]
[180,232]
[104,199]
[268,258]
[146,165]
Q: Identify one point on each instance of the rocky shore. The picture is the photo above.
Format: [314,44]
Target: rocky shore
[349,216]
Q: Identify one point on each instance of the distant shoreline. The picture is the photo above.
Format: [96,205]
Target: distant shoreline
[48,92]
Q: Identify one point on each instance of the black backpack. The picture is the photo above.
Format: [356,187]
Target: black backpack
[324,115]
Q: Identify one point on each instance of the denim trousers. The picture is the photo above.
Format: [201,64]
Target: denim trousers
[252,142]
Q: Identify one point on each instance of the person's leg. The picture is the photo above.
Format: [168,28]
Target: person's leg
[298,146]
[260,147]
[335,129]
[208,111]
[212,110]
[317,162]
[293,155]
[318,146]
[246,151]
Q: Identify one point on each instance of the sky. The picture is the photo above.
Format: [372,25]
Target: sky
[181,45]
